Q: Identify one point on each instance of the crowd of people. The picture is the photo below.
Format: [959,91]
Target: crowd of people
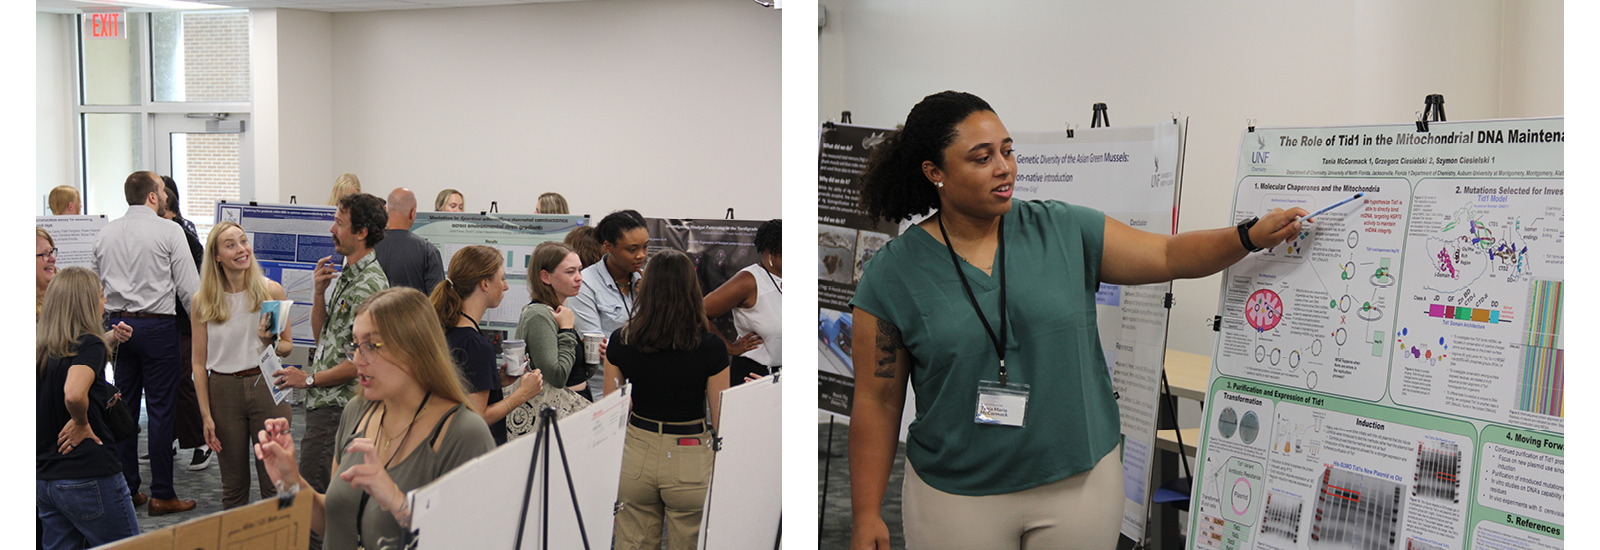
[396,325]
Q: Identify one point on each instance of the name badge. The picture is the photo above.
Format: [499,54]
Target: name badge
[999,405]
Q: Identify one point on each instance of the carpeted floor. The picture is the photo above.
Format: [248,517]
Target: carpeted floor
[835,532]
[202,486]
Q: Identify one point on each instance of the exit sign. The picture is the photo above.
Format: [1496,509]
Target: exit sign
[106,24]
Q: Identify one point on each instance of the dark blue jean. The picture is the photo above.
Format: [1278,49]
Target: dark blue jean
[81,513]
[148,367]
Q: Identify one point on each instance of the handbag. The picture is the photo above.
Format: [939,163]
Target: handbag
[119,420]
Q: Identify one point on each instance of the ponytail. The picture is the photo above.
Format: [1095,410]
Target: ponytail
[469,267]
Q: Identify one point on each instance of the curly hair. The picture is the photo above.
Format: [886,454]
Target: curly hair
[769,237]
[366,212]
[611,227]
[893,186]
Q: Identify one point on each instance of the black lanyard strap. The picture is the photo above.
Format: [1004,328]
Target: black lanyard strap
[1000,267]
[774,280]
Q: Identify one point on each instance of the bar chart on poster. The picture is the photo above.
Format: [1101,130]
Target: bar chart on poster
[1391,376]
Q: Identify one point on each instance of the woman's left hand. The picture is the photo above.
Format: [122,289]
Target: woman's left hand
[264,332]
[73,435]
[370,476]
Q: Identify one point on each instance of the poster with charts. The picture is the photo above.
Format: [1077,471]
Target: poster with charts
[288,239]
[513,235]
[1131,174]
[1392,375]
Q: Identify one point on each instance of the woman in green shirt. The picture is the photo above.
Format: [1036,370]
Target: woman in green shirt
[987,308]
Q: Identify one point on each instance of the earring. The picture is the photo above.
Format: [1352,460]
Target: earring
[938,184]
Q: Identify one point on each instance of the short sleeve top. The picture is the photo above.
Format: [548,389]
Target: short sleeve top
[474,357]
[669,386]
[1053,252]
[87,459]
[467,438]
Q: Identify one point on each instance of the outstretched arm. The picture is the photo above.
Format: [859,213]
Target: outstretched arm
[1135,257]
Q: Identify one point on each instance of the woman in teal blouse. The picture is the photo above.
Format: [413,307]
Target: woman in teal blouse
[988,308]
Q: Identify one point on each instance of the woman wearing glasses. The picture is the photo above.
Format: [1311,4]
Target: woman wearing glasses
[229,335]
[411,424]
[45,271]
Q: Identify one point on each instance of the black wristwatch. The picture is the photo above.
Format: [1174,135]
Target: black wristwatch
[1244,235]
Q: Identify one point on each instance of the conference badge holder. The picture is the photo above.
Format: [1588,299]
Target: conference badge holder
[1001,404]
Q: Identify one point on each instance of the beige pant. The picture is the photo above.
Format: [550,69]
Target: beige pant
[1082,511]
[240,408]
[661,479]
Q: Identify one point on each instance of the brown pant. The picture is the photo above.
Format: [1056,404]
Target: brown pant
[662,479]
[1083,511]
[240,408]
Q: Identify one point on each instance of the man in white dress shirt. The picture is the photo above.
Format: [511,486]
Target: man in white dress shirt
[144,261]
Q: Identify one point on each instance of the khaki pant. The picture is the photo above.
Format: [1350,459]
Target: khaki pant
[1082,511]
[240,408]
[662,478]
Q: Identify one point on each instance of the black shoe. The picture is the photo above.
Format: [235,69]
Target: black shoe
[201,460]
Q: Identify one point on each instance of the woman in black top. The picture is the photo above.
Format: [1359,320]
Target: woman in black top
[82,498]
[676,368]
[475,282]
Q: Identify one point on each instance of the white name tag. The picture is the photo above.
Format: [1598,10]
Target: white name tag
[1001,405]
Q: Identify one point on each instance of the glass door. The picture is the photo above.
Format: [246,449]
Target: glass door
[209,156]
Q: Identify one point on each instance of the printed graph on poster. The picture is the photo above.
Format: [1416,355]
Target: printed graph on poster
[1315,311]
[1483,292]
[1438,471]
[1356,511]
[1282,518]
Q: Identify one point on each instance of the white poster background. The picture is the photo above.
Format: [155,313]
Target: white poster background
[477,505]
[1419,297]
[74,237]
[1131,174]
[744,503]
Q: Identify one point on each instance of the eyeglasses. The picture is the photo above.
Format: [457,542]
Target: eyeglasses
[42,255]
[367,348]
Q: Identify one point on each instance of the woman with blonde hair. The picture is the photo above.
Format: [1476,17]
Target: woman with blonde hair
[554,274]
[677,369]
[450,200]
[476,282]
[81,498]
[229,335]
[552,203]
[64,201]
[346,184]
[410,424]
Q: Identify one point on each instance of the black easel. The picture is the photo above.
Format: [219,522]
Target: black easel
[547,425]
[1432,110]
[1100,117]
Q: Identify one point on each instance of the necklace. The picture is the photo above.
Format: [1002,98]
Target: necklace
[384,439]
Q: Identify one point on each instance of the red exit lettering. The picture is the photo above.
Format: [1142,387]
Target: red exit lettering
[105,25]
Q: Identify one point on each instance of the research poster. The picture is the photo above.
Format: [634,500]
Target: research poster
[74,237]
[719,249]
[1392,375]
[846,239]
[1132,175]
[514,235]
[288,239]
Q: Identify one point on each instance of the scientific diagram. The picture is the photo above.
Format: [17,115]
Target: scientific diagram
[1314,311]
[1484,292]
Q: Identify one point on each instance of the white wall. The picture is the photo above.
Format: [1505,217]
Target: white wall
[670,108]
[1043,64]
[53,119]
[293,82]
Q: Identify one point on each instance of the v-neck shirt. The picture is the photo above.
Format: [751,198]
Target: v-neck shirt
[1053,253]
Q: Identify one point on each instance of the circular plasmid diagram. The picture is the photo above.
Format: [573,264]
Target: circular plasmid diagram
[1263,310]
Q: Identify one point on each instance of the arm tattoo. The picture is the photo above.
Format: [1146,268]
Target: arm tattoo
[889,346]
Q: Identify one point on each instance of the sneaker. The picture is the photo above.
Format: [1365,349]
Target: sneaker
[201,460]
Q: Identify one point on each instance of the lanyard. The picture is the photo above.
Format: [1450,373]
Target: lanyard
[774,280]
[1000,266]
[625,305]
[361,511]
